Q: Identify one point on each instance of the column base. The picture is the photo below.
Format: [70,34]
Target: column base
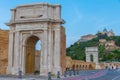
[15,71]
[55,70]
[9,70]
[43,71]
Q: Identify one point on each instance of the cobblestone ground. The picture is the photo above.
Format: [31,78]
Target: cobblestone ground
[84,75]
[30,77]
[87,75]
[23,78]
[9,77]
[97,75]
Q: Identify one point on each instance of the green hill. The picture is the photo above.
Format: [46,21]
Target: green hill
[77,50]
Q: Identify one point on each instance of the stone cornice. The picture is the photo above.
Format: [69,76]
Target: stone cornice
[34,21]
[42,4]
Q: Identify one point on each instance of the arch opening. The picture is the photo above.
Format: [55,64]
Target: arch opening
[73,67]
[77,67]
[91,58]
[33,54]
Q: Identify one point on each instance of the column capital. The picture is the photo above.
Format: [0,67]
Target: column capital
[11,32]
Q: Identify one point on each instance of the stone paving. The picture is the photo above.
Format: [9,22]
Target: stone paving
[23,78]
[111,75]
[84,75]
[88,76]
[31,77]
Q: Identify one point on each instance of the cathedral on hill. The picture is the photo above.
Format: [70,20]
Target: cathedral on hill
[108,33]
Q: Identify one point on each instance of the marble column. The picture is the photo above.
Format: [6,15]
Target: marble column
[16,54]
[57,51]
[44,61]
[50,50]
[23,58]
[88,57]
[23,52]
[10,54]
[95,57]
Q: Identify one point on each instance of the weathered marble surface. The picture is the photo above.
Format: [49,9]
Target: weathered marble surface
[42,21]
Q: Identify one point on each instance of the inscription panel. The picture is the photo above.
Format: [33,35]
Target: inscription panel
[30,13]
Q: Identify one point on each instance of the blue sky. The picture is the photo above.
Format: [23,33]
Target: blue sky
[82,16]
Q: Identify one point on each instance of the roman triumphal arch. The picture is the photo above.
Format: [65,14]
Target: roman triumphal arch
[92,52]
[28,24]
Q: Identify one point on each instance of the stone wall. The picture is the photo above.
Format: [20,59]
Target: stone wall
[110,65]
[63,49]
[79,64]
[4,38]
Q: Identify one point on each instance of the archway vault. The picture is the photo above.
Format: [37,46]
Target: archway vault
[30,54]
